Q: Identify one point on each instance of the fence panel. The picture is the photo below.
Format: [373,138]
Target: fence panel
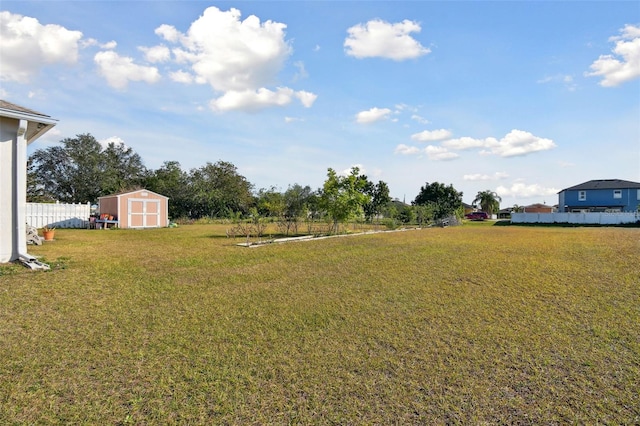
[577,218]
[58,215]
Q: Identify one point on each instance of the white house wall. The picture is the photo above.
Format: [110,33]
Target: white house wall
[13,187]
[18,128]
[8,130]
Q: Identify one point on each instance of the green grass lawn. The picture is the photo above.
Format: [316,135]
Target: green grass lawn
[461,325]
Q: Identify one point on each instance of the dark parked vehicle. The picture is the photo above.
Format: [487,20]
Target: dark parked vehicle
[477,216]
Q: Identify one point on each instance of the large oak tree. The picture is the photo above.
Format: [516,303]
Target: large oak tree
[80,170]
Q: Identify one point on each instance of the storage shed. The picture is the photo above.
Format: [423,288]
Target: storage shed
[538,208]
[136,209]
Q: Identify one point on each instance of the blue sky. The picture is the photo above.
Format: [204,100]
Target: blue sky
[521,98]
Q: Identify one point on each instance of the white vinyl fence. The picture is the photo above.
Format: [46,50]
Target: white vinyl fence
[58,215]
[577,218]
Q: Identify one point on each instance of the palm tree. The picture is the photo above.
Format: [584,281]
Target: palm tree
[489,201]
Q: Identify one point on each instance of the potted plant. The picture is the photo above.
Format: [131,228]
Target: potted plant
[48,233]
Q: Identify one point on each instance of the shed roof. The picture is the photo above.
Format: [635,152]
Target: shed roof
[131,192]
[604,184]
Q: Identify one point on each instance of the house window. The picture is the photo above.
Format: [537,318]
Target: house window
[617,193]
[638,195]
[582,195]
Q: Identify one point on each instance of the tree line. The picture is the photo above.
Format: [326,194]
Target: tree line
[81,170]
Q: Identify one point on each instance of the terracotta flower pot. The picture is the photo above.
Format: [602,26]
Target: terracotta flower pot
[48,235]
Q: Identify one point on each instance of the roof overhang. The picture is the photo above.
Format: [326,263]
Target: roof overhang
[37,124]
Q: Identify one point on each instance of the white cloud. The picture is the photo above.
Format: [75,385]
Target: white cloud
[419,119]
[377,38]
[522,190]
[624,64]
[439,153]
[431,135]
[347,172]
[372,115]
[119,70]
[628,32]
[466,142]
[88,42]
[255,100]
[569,83]
[515,143]
[307,98]
[518,142]
[230,54]
[565,79]
[116,140]
[239,59]
[375,173]
[169,33]
[181,76]
[110,45]
[155,54]
[481,177]
[436,153]
[28,46]
[301,73]
[407,150]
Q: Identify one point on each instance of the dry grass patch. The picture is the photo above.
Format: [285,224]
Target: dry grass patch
[462,325]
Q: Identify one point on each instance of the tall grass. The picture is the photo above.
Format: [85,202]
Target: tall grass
[468,325]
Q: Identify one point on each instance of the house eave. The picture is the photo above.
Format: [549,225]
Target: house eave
[37,126]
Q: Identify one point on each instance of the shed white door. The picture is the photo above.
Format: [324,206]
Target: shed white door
[143,213]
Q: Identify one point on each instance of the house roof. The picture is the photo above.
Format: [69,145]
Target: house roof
[37,123]
[17,108]
[604,184]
